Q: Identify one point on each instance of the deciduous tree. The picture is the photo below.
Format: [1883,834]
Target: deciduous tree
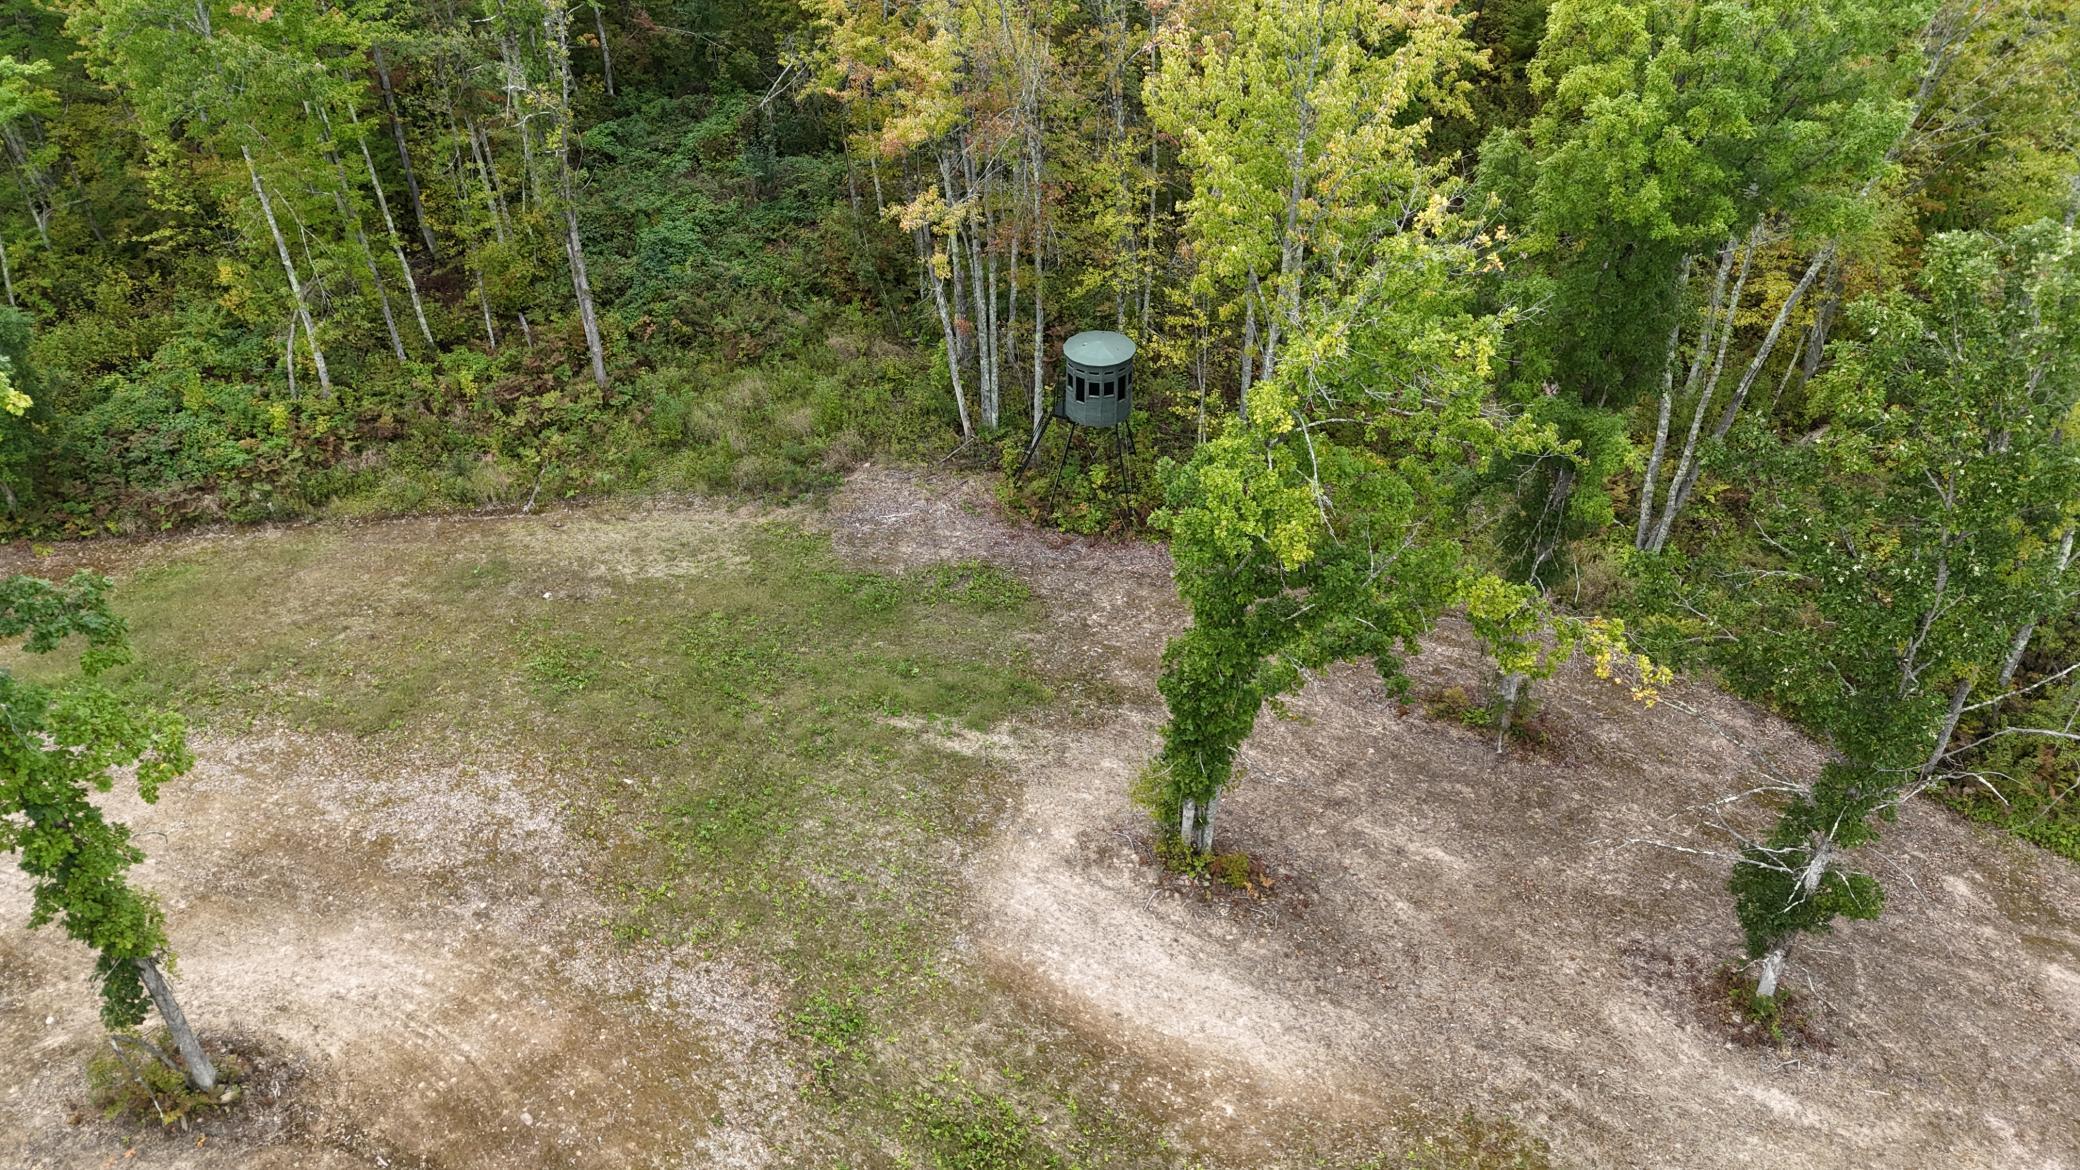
[60,744]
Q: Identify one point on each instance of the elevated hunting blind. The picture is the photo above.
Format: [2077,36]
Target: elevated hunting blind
[1097,391]
[1100,392]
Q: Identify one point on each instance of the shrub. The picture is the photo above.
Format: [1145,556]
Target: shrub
[137,1079]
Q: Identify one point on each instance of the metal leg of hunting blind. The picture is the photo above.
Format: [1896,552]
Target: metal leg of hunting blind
[1059,465]
[1119,445]
[1034,446]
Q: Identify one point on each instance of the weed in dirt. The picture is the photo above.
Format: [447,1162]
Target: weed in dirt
[1784,1020]
[562,665]
[137,1080]
[835,1031]
[1530,727]
[1230,869]
[1466,1142]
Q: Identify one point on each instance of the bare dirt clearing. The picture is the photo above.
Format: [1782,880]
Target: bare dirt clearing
[1477,936]
[421,924]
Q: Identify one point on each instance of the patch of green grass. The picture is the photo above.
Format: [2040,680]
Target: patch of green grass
[563,665]
[960,1128]
[835,1031]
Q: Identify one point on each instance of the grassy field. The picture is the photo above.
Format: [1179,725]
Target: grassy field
[773,758]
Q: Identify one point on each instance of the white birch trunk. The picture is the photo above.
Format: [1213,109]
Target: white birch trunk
[1772,971]
[494,202]
[484,300]
[404,153]
[946,326]
[1659,538]
[1958,694]
[1668,381]
[606,55]
[556,22]
[1030,99]
[352,218]
[34,184]
[1202,834]
[411,283]
[1249,342]
[201,1073]
[2020,644]
[1506,694]
[303,309]
[1808,885]
[1769,345]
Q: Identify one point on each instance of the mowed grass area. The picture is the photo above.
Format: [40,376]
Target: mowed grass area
[764,746]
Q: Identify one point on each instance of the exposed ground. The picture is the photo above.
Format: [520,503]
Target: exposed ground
[465,906]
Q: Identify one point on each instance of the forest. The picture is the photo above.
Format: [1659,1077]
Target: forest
[604,470]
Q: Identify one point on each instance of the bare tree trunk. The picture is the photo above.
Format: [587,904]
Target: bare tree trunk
[375,276]
[352,218]
[1686,464]
[1769,344]
[1958,694]
[557,24]
[201,1073]
[1680,487]
[1011,291]
[1808,885]
[411,283]
[1546,538]
[957,271]
[982,279]
[494,200]
[1029,101]
[1195,824]
[303,309]
[35,185]
[2020,644]
[7,275]
[404,154]
[1668,383]
[516,84]
[1772,971]
[606,55]
[953,363]
[484,299]
[1200,361]
[1506,693]
[1249,342]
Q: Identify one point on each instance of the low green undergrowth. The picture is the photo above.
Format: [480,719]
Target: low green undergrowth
[135,1079]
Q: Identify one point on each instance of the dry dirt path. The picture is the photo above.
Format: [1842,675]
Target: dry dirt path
[418,937]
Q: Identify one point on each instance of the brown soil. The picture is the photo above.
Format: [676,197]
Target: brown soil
[1463,931]
[1474,924]
[417,936]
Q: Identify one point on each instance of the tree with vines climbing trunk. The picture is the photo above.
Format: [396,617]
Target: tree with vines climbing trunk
[1319,527]
[58,744]
[1907,540]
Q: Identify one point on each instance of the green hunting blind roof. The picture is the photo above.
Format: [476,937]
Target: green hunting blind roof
[1098,349]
